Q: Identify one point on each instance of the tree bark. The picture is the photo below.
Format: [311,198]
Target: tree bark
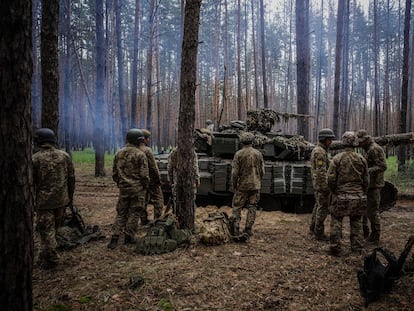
[185,177]
[303,64]
[99,129]
[50,65]
[16,192]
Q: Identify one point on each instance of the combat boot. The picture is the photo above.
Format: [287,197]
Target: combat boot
[113,243]
[129,239]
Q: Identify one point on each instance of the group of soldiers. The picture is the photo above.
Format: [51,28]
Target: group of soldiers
[350,185]
[134,170]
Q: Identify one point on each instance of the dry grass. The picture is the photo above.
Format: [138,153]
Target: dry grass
[280,268]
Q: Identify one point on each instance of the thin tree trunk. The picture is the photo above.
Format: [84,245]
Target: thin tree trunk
[50,65]
[263,50]
[99,137]
[338,57]
[185,176]
[134,86]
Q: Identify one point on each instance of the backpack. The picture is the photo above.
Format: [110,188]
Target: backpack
[377,278]
[215,229]
[163,236]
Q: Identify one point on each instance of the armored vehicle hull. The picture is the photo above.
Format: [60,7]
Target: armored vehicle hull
[287,183]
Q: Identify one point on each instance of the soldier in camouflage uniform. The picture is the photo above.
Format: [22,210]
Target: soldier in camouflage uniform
[172,168]
[154,194]
[348,181]
[246,175]
[319,166]
[54,183]
[130,172]
[377,165]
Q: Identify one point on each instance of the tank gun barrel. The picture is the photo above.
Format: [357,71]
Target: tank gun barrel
[390,140]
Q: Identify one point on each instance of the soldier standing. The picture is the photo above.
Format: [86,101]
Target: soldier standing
[319,166]
[172,168]
[54,184]
[246,175]
[375,156]
[348,181]
[130,172]
[154,194]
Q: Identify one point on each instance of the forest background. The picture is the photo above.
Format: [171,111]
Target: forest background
[339,62]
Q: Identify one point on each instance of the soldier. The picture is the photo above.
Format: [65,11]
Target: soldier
[172,168]
[246,175]
[319,166]
[154,194]
[130,172]
[54,184]
[377,165]
[210,125]
[348,181]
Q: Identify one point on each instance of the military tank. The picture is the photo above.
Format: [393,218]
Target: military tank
[287,183]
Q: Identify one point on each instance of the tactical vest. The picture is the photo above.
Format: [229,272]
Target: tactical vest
[163,236]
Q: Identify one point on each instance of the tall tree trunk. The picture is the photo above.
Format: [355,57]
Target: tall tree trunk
[36,105]
[338,57]
[185,176]
[303,64]
[239,75]
[217,110]
[263,50]
[344,93]
[121,84]
[254,44]
[99,128]
[319,76]
[16,193]
[404,85]
[376,71]
[150,65]
[67,96]
[50,64]
[134,86]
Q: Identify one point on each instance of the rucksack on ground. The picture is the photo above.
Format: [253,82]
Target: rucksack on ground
[215,229]
[377,278]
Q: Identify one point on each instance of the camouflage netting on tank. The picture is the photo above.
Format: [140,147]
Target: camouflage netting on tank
[261,120]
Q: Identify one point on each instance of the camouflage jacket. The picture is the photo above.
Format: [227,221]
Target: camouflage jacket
[154,172]
[130,169]
[53,177]
[375,156]
[172,167]
[319,166]
[348,173]
[247,169]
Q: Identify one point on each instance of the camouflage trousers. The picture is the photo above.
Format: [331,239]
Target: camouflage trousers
[156,198]
[128,211]
[355,232]
[47,223]
[320,212]
[249,200]
[373,214]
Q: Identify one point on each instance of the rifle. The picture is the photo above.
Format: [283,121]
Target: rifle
[76,220]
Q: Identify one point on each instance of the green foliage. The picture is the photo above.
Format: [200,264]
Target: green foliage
[87,156]
[402,180]
[165,305]
[85,299]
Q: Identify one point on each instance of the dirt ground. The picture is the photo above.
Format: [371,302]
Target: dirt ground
[280,268]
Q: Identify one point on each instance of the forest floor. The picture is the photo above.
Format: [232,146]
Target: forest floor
[280,268]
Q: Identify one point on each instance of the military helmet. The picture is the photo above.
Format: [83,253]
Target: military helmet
[146,133]
[362,135]
[44,135]
[135,136]
[208,122]
[246,138]
[325,133]
[348,139]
